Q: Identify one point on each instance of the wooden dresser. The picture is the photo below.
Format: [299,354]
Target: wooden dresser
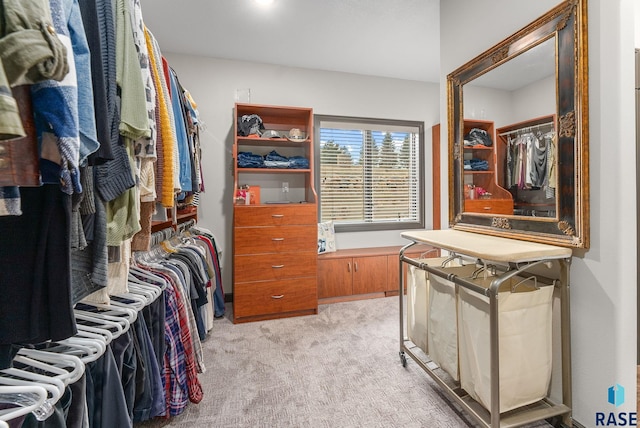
[275,262]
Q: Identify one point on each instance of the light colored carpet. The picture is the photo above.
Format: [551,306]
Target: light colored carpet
[337,369]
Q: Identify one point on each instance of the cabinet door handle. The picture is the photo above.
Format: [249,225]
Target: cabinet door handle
[277,266]
[349,267]
[355,265]
[277,215]
[277,239]
[279,296]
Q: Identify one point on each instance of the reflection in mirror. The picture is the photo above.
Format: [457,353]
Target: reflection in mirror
[515,104]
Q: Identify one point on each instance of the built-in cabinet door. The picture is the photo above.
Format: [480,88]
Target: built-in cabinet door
[369,274]
[334,277]
[393,270]
[393,273]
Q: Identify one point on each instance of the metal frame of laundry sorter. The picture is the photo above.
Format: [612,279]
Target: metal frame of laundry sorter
[558,413]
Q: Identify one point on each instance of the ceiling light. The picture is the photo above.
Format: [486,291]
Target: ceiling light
[264,2]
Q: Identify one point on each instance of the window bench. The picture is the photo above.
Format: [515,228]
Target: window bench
[362,273]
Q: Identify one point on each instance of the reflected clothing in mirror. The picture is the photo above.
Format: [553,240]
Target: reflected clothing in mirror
[528,161]
[478,137]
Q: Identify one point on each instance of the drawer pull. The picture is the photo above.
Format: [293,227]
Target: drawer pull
[277,239]
[277,266]
[277,215]
[279,296]
[487,208]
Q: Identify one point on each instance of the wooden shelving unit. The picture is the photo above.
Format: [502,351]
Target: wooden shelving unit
[275,240]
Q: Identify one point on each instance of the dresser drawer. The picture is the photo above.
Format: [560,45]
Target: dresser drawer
[489,206]
[277,215]
[274,267]
[262,298]
[277,239]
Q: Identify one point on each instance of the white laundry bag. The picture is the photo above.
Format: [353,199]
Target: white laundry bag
[443,319]
[417,318]
[418,302]
[525,343]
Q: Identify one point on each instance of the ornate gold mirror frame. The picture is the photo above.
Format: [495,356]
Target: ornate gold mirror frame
[566,26]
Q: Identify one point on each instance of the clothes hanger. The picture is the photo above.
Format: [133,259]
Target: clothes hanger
[53,363]
[95,322]
[55,387]
[84,330]
[129,300]
[116,316]
[139,286]
[92,339]
[86,349]
[168,247]
[89,319]
[139,271]
[27,399]
[451,258]
[136,273]
[107,309]
[58,360]
[424,254]
[25,376]
[150,292]
[89,339]
[119,313]
[525,281]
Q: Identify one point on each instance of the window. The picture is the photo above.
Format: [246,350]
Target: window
[369,173]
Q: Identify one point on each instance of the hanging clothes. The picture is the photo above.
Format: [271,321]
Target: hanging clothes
[165,165]
[552,180]
[36,298]
[218,291]
[528,160]
[106,109]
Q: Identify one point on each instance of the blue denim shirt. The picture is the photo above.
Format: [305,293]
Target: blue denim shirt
[82,57]
[182,139]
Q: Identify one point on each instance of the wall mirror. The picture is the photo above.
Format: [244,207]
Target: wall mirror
[518,134]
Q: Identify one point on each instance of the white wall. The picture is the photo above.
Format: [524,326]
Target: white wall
[213,84]
[509,107]
[487,104]
[534,100]
[637,25]
[603,283]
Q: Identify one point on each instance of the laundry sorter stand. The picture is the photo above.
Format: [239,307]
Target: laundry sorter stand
[516,258]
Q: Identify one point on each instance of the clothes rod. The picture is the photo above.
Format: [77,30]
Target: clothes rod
[527,128]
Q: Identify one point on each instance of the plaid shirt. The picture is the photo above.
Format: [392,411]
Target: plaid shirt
[194,387]
[174,380]
[196,343]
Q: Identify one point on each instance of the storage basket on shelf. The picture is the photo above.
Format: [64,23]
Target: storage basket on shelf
[525,348]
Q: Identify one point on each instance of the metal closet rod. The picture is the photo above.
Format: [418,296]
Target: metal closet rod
[527,128]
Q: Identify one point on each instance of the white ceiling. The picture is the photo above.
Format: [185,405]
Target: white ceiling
[388,38]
